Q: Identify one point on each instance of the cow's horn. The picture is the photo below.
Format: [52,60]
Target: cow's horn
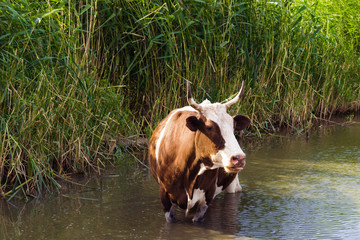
[190,99]
[236,98]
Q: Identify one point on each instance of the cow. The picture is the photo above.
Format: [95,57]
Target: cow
[194,155]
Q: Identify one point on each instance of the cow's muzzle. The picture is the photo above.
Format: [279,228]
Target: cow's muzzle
[237,163]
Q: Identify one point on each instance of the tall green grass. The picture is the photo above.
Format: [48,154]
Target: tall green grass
[78,75]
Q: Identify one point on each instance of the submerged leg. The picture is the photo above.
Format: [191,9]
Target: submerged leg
[169,209]
[200,212]
[170,216]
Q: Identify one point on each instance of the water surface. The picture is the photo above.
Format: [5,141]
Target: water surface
[293,188]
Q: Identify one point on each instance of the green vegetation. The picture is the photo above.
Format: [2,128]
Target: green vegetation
[77,75]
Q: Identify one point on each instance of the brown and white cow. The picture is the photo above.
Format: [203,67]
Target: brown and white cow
[194,155]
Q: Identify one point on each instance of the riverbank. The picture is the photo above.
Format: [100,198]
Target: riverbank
[77,76]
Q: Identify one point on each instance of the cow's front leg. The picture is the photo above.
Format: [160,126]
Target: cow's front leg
[200,212]
[170,216]
[168,207]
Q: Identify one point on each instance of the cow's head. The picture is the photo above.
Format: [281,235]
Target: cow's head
[215,141]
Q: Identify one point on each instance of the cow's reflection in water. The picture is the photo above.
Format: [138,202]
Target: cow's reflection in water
[223,214]
[221,221]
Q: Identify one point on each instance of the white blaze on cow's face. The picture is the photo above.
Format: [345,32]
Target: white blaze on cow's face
[231,157]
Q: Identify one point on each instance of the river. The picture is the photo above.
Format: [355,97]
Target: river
[304,187]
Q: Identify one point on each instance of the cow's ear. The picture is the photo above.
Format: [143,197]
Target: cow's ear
[193,123]
[241,122]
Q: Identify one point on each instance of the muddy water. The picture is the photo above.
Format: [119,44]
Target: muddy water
[293,188]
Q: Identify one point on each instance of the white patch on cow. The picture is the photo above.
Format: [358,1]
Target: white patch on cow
[234,186]
[217,112]
[202,169]
[162,133]
[198,196]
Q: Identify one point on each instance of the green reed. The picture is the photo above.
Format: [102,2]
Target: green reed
[77,76]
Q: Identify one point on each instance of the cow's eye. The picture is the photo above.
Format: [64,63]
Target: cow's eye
[209,128]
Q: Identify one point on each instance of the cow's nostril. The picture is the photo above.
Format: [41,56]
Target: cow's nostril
[239,157]
[238,160]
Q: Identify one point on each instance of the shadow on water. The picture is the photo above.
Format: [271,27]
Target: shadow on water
[293,188]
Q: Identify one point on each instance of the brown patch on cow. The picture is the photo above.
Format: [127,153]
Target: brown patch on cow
[206,129]
[165,200]
[224,178]
[212,131]
[207,162]
[209,135]
[206,182]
